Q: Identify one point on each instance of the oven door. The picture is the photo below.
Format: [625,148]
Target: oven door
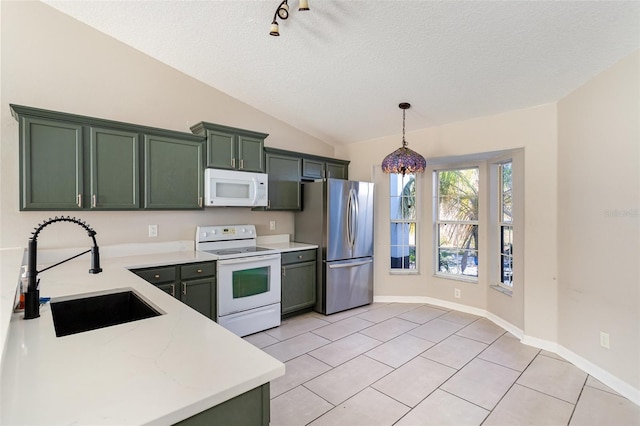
[248,282]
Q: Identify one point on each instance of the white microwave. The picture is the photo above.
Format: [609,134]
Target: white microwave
[231,188]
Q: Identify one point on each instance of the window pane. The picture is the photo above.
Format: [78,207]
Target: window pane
[403,248]
[458,194]
[507,186]
[458,262]
[455,235]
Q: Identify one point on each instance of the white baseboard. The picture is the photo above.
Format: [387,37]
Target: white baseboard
[618,385]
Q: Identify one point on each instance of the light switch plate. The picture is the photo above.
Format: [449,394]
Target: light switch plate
[153,231]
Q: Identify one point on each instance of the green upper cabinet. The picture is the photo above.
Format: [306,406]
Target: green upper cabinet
[250,151]
[74,162]
[115,169]
[232,148]
[284,180]
[173,173]
[51,163]
[320,168]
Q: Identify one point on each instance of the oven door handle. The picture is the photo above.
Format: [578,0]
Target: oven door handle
[248,259]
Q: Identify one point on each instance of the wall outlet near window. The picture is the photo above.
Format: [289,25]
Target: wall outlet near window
[604,339]
[272,225]
[456,293]
[153,230]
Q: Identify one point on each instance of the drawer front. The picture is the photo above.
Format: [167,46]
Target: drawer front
[197,270]
[298,256]
[157,275]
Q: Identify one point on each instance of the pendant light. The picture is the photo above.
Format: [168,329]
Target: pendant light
[404,160]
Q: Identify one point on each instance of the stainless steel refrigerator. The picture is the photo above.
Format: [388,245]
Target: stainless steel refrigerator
[337,215]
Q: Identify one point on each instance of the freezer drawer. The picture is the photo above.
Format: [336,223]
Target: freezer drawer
[348,284]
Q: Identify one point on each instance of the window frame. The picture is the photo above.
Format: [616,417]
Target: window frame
[415,222]
[437,222]
[501,224]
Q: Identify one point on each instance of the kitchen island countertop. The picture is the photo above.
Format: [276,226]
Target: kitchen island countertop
[158,370]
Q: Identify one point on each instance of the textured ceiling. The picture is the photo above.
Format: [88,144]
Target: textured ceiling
[339,71]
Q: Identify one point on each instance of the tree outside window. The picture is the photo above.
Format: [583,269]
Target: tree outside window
[457,222]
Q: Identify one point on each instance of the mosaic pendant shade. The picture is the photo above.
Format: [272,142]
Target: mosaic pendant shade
[404,160]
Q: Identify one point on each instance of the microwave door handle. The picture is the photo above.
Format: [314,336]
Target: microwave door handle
[255,191]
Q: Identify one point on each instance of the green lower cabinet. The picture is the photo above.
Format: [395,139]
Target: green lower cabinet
[115,169]
[298,281]
[194,284]
[51,165]
[173,174]
[198,294]
[251,408]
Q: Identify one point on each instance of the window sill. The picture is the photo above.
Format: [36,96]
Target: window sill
[502,290]
[473,280]
[404,272]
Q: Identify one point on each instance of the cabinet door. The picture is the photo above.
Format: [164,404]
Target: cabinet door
[115,168]
[298,286]
[198,294]
[221,150]
[337,170]
[250,154]
[173,173]
[312,169]
[51,165]
[284,182]
[169,288]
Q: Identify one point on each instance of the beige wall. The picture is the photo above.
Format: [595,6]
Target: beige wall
[534,308]
[599,219]
[52,61]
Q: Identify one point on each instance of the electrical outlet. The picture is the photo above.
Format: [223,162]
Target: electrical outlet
[604,339]
[153,230]
[456,293]
[272,225]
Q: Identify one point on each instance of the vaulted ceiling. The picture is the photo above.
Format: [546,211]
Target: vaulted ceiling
[339,70]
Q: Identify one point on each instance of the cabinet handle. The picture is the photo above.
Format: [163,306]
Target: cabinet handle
[200,202]
[184,288]
[93,200]
[156,276]
[233,163]
[199,271]
[241,163]
[300,256]
[284,271]
[80,200]
[173,290]
[268,204]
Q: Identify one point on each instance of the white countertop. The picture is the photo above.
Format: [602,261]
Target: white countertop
[155,371]
[282,243]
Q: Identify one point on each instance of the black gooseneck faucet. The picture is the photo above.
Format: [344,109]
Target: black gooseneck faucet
[32,295]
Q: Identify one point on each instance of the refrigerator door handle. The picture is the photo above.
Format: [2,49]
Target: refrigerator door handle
[349,220]
[350,265]
[355,218]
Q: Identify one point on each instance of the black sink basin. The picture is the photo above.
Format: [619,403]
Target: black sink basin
[89,313]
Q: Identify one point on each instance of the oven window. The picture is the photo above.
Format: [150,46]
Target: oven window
[232,190]
[250,282]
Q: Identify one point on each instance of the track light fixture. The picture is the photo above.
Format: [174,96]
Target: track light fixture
[282,12]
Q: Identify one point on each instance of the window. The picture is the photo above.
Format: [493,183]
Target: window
[505,224]
[456,225]
[403,216]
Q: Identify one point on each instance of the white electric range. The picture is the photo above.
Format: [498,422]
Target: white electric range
[248,290]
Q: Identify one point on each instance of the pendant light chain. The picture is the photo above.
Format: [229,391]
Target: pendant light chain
[404,142]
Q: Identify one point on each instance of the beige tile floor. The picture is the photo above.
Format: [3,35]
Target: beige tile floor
[413,364]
